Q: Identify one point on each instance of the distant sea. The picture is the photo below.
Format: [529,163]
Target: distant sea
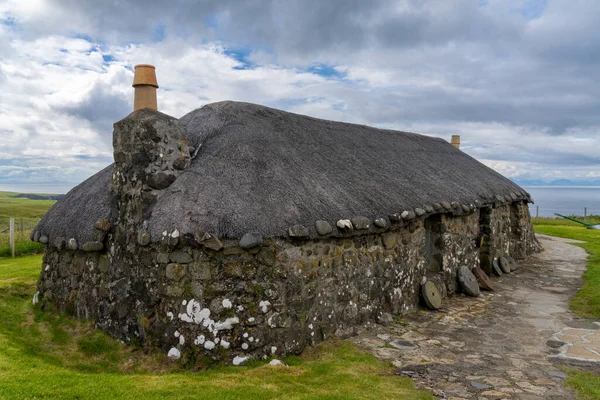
[566,200]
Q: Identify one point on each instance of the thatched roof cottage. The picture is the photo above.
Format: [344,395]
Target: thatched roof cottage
[245,231]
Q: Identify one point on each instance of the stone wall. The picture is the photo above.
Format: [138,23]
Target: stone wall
[194,299]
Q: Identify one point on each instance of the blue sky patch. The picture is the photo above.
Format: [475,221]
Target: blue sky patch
[327,71]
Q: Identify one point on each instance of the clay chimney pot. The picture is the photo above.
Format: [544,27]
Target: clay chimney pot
[144,82]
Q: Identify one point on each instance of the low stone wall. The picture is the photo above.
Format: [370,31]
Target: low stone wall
[277,297]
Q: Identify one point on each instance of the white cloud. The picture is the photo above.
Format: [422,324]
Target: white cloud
[516,81]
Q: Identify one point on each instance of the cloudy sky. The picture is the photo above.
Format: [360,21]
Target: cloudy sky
[517,79]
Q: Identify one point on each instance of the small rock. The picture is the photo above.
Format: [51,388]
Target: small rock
[323,227]
[180,257]
[437,207]
[385,318]
[143,238]
[479,385]
[277,363]
[507,198]
[250,240]
[419,212]
[92,246]
[389,240]
[72,244]
[161,180]
[408,215]
[455,204]
[466,208]
[237,360]
[467,281]
[344,224]
[402,344]
[208,240]
[102,224]
[380,223]
[395,218]
[428,208]
[557,374]
[446,205]
[59,242]
[175,271]
[298,231]
[36,236]
[360,223]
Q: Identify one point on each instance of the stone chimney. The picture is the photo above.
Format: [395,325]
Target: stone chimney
[455,141]
[144,82]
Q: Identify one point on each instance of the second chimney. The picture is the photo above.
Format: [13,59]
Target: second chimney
[144,82]
[455,141]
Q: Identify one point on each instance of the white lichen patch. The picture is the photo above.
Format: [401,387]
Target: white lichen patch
[209,345]
[237,360]
[245,346]
[240,308]
[170,316]
[174,354]
[181,340]
[227,324]
[273,349]
[227,303]
[199,340]
[36,298]
[183,302]
[194,313]
[264,305]
[225,344]
[251,319]
[47,267]
[176,334]
[174,234]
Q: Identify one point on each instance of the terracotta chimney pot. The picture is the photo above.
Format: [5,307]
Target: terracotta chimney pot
[144,82]
[455,141]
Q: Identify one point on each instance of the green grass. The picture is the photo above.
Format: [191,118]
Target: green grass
[45,355]
[27,214]
[591,219]
[586,302]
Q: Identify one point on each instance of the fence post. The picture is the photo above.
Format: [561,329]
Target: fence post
[22,227]
[537,213]
[12,236]
[584,214]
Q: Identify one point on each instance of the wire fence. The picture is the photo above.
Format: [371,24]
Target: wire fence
[21,230]
[549,212]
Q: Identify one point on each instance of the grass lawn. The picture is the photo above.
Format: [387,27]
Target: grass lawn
[53,356]
[586,302]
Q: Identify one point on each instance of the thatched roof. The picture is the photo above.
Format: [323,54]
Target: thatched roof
[264,170]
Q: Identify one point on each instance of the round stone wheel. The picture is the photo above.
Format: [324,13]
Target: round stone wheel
[504,265]
[468,282]
[496,268]
[431,295]
[485,282]
[512,263]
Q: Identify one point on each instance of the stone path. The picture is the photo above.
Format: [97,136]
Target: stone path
[505,344]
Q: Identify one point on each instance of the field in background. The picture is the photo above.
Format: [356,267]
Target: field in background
[27,213]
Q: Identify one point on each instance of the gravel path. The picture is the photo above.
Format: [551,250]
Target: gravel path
[505,344]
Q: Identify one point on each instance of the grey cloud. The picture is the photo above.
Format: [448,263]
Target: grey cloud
[101,107]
